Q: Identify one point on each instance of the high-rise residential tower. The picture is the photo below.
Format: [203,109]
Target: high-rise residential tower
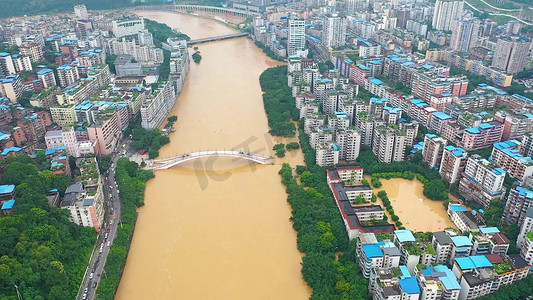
[81,12]
[296,39]
[446,12]
[465,34]
[511,54]
[334,33]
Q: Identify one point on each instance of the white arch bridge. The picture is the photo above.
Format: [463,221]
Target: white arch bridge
[169,162]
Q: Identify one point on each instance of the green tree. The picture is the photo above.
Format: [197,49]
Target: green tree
[104,163]
[436,190]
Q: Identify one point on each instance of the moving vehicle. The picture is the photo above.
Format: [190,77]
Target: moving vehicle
[90,277]
[108,243]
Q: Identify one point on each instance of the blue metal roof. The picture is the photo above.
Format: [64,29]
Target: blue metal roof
[375,80]
[8,204]
[372,250]
[405,272]
[473,130]
[489,229]
[485,126]
[461,240]
[409,285]
[7,188]
[524,192]
[457,207]
[472,262]
[404,235]
[441,115]
[11,149]
[449,281]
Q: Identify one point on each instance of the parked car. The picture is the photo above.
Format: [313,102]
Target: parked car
[143,152]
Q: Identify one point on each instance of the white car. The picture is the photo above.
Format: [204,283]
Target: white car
[108,243]
[91,276]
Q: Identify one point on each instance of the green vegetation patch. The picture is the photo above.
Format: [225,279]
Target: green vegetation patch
[41,251]
[278,102]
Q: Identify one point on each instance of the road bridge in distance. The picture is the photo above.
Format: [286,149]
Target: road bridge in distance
[216,38]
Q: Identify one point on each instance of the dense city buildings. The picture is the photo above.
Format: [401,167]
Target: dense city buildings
[426,85]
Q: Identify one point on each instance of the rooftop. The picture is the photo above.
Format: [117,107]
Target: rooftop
[473,262]
[404,235]
[372,250]
[409,285]
[461,240]
[7,188]
[8,204]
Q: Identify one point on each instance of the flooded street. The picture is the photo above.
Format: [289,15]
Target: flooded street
[416,211]
[216,228]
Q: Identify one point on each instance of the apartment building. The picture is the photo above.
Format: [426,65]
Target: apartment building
[67,75]
[128,26]
[516,125]
[438,121]
[6,64]
[389,144]
[465,219]
[156,107]
[33,50]
[21,63]
[47,77]
[346,173]
[378,255]
[327,154]
[433,149]
[446,12]
[489,240]
[526,248]
[85,210]
[425,86]
[63,115]
[517,204]
[438,282]
[482,181]
[97,77]
[109,122]
[349,142]
[452,163]
[334,33]
[507,156]
[511,54]
[296,37]
[527,227]
[320,135]
[11,87]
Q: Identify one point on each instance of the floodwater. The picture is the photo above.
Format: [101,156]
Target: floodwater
[416,211]
[216,228]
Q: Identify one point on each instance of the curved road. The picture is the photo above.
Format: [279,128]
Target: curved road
[113,207]
[496,14]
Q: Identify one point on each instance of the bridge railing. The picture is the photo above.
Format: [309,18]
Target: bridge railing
[237,153]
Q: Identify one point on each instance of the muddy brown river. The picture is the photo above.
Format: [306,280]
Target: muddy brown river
[216,228]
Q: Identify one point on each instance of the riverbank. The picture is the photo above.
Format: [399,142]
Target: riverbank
[328,266]
[132,182]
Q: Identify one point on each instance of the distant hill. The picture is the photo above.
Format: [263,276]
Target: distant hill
[11,8]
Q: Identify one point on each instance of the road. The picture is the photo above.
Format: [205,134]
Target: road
[113,209]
